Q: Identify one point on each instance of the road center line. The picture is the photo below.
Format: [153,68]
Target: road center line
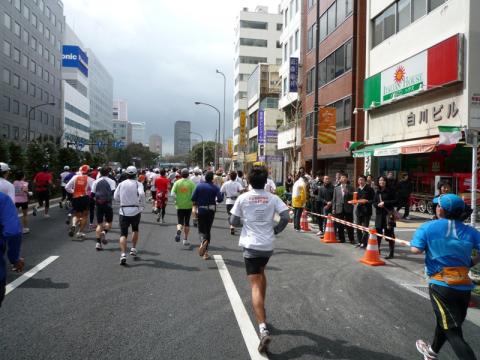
[244,323]
[29,274]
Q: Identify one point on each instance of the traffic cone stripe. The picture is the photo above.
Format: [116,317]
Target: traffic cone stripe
[329,237]
[372,256]
[372,247]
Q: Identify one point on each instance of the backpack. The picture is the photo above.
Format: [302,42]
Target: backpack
[103,193]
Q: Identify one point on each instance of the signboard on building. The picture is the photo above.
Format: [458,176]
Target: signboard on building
[435,67]
[261,126]
[327,126]
[243,128]
[271,136]
[74,57]
[230,147]
[293,75]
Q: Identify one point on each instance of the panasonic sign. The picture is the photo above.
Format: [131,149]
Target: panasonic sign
[74,57]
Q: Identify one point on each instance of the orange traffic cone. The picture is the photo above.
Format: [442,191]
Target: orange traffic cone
[304,221]
[372,255]
[329,237]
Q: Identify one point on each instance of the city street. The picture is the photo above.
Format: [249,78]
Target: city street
[170,304]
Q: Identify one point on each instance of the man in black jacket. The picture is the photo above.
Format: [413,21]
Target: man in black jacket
[324,202]
[343,208]
[365,195]
[404,189]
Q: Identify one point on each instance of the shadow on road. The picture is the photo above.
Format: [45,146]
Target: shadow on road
[326,348]
[279,251]
[47,283]
[241,264]
[161,265]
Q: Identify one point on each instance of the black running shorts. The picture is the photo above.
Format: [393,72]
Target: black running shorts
[81,203]
[229,209]
[23,205]
[104,213]
[450,305]
[183,216]
[127,221]
[43,196]
[255,265]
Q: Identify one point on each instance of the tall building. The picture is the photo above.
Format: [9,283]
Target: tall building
[76,104]
[257,40]
[340,74]
[138,132]
[421,73]
[182,138]
[30,63]
[155,144]
[101,94]
[289,135]
[120,110]
[122,129]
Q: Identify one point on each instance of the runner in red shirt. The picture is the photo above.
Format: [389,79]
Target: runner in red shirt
[162,184]
[42,183]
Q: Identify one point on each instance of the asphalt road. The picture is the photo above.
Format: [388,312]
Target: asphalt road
[171,304]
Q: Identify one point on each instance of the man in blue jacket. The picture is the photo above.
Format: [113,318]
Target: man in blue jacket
[205,198]
[10,240]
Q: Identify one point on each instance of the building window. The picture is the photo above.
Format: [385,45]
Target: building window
[16,81]
[40,27]
[33,20]
[309,125]
[16,55]
[322,75]
[323,27]
[311,37]
[336,64]
[285,86]
[25,36]
[404,12]
[7,21]
[16,29]
[33,66]
[26,12]
[419,8]
[310,80]
[18,5]
[279,61]
[285,51]
[6,104]
[279,27]
[331,20]
[279,45]
[341,11]
[25,61]
[339,61]
[285,21]
[291,45]
[24,85]
[433,4]
[33,90]
[259,25]
[311,3]
[297,36]
[33,43]
[7,48]
[348,55]
[16,107]
[252,60]
[253,42]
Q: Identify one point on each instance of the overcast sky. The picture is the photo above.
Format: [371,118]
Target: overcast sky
[163,56]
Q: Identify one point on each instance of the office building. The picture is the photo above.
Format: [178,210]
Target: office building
[257,40]
[100,94]
[76,103]
[138,132]
[30,64]
[122,129]
[182,138]
[155,144]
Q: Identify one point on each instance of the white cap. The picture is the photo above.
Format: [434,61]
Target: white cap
[4,167]
[131,170]
[66,167]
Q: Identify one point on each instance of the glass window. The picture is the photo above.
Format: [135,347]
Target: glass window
[33,43]
[16,81]
[40,49]
[433,4]
[47,12]
[24,60]
[309,81]
[33,66]
[253,24]
[47,33]
[279,27]
[6,76]
[7,21]
[16,55]
[24,85]
[17,29]
[33,19]
[26,12]
[7,48]
[339,61]
[40,27]
[25,36]
[253,42]
[348,55]
[24,110]
[33,89]
[41,4]
[341,11]
[296,6]
[278,61]
[322,73]
[347,117]
[330,67]
[285,51]
[285,21]
[18,5]
[292,9]
[323,27]
[389,22]
[349,7]
[54,19]
[291,45]
[297,36]
[6,103]
[403,8]
[46,54]
[16,107]
[309,125]
[331,19]
[419,9]
[340,114]
[378,30]
[310,39]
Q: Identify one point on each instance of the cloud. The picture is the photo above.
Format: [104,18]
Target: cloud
[163,56]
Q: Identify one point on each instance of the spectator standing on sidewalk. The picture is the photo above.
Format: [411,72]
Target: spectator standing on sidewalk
[299,198]
[365,196]
[324,202]
[342,209]
[404,190]
[384,203]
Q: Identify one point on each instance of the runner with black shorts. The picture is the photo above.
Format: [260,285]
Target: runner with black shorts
[102,192]
[257,208]
[183,190]
[162,185]
[79,186]
[448,244]
[42,181]
[232,190]
[131,195]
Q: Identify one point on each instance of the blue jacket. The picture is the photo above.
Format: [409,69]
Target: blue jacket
[10,234]
[206,194]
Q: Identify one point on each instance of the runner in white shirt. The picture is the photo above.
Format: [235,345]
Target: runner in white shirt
[270,186]
[232,189]
[63,175]
[257,208]
[131,196]
[196,178]
[153,189]
[6,186]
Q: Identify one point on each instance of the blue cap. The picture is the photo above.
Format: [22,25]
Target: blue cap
[450,202]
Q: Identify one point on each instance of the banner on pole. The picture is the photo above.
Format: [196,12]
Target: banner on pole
[243,128]
[327,126]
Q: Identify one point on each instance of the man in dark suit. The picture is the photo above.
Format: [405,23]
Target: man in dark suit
[365,195]
[342,209]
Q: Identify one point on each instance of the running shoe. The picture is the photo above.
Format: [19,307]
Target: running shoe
[103,238]
[177,237]
[80,235]
[60,204]
[92,226]
[158,218]
[98,246]
[72,230]
[206,256]
[123,259]
[25,230]
[162,221]
[232,231]
[203,248]
[133,252]
[265,340]
[69,219]
[320,233]
[34,210]
[185,242]
[424,348]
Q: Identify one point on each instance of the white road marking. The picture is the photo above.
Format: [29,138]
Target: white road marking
[245,324]
[29,274]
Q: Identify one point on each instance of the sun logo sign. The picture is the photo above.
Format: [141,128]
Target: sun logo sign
[399,75]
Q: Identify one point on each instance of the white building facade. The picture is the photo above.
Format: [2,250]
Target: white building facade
[257,40]
[138,132]
[122,130]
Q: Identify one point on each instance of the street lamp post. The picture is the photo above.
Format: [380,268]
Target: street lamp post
[316,106]
[27,138]
[224,93]
[203,148]
[217,142]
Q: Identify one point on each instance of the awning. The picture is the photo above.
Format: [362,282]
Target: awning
[367,150]
[408,147]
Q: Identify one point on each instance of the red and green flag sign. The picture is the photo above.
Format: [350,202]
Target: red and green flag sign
[437,66]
